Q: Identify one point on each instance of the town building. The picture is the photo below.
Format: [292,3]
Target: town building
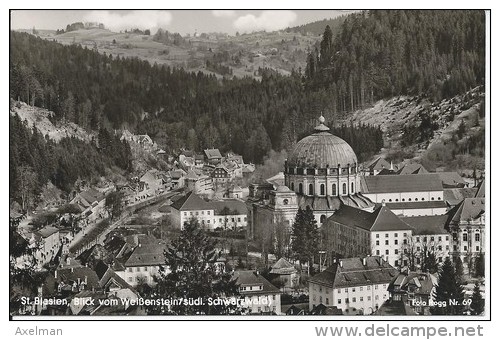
[408,195]
[466,225]
[198,182]
[377,166]
[213,156]
[354,232]
[192,206]
[260,295]
[415,290]
[285,273]
[356,285]
[322,172]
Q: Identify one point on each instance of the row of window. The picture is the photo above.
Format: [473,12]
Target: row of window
[322,189]
[360,288]
[368,298]
[197,213]
[137,269]
[387,235]
[455,248]
[416,199]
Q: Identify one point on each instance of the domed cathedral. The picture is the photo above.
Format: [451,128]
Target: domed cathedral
[322,172]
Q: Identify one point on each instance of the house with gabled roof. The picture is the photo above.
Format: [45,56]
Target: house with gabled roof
[192,206]
[378,165]
[213,156]
[260,295]
[284,272]
[358,283]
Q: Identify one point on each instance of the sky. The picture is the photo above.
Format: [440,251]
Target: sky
[181,21]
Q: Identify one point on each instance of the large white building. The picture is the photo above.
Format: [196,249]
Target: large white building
[354,285]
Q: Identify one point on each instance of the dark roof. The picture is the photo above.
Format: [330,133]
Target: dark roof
[92,195]
[416,205]
[453,196]
[191,201]
[385,172]
[402,183]
[249,277]
[212,153]
[73,274]
[427,225]
[468,209]
[333,203]
[379,164]
[480,190]
[353,272]
[321,309]
[47,231]
[231,204]
[293,310]
[412,169]
[451,179]
[381,219]
[147,254]
[422,283]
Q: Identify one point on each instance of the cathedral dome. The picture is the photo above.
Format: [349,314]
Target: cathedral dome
[321,150]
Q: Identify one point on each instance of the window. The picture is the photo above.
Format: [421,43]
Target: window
[353,299]
[361,299]
[396,242]
[185,213]
[137,269]
[377,235]
[440,259]
[322,189]
[386,235]
[432,198]
[418,248]
[285,202]
[344,189]
[477,248]
[368,287]
[477,236]
[396,251]
[353,289]
[377,243]
[346,290]
[322,218]
[129,279]
[405,241]
[129,270]
[425,238]
[352,187]
[300,188]
[440,238]
[396,263]
[378,252]
[390,200]
[464,237]
[465,248]
[369,298]
[339,301]
[447,238]
[376,297]
[327,301]
[386,242]
[311,189]
[387,252]
[360,289]
[395,234]
[339,291]
[405,234]
[346,300]
[320,299]
[432,238]
[334,189]
[145,269]
[291,186]
[376,286]
[409,199]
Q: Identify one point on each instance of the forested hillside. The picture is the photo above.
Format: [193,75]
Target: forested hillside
[380,54]
[176,108]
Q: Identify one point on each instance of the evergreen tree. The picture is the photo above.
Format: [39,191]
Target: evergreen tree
[479,265]
[459,268]
[449,289]
[477,304]
[191,271]
[430,262]
[305,236]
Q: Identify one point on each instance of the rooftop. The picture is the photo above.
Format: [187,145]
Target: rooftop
[427,225]
[468,209]
[233,205]
[250,278]
[355,272]
[191,201]
[401,183]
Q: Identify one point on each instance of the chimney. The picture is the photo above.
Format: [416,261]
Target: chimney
[55,274]
[392,166]
[383,203]
[364,261]
[341,264]
[72,269]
